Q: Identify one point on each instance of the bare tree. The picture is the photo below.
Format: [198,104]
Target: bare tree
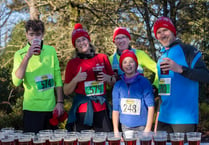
[34,13]
[5,13]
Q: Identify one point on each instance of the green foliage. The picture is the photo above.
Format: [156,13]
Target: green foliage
[14,118]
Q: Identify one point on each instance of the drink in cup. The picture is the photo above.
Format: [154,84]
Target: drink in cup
[38,140]
[130,141]
[70,142]
[24,140]
[194,138]
[163,72]
[84,141]
[114,138]
[177,138]
[45,134]
[99,138]
[55,140]
[130,137]
[70,139]
[99,142]
[97,70]
[85,138]
[8,141]
[160,138]
[145,138]
[37,42]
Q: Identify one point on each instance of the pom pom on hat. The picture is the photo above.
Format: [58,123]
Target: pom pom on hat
[120,30]
[79,32]
[164,22]
[78,26]
[128,53]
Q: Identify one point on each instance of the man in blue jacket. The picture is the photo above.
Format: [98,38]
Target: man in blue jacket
[180,69]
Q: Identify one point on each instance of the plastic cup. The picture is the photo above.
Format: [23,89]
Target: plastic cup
[15,136]
[8,130]
[194,138]
[130,137]
[7,141]
[145,138]
[71,139]
[99,138]
[38,42]
[97,70]
[177,138]
[160,138]
[46,134]
[114,138]
[38,140]
[163,72]
[85,137]
[25,140]
[60,131]
[55,140]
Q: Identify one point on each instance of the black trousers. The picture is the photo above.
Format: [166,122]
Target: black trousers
[176,127]
[101,122]
[35,121]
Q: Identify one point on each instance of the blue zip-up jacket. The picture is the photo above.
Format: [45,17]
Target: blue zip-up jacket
[140,88]
[181,106]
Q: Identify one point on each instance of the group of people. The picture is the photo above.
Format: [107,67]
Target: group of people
[177,73]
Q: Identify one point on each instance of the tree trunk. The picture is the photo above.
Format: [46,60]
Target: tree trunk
[149,31]
[34,13]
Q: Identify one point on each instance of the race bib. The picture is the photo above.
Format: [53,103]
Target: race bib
[44,82]
[93,88]
[164,86]
[130,106]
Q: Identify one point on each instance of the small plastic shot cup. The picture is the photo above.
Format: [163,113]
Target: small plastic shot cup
[85,137]
[177,138]
[99,138]
[160,137]
[114,138]
[194,138]
[71,139]
[130,137]
[145,138]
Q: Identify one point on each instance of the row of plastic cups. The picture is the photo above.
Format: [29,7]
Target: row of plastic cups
[161,137]
[89,136]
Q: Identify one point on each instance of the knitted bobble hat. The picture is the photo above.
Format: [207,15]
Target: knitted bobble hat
[120,30]
[79,32]
[127,53]
[164,22]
